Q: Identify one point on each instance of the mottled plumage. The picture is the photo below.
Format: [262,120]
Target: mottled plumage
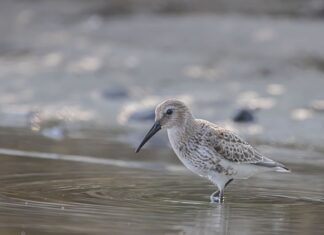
[208,149]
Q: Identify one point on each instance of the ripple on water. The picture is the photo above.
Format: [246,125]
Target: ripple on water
[88,198]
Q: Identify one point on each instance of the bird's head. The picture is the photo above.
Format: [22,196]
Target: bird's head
[168,114]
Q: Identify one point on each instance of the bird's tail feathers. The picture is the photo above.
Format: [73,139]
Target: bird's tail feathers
[278,167]
[282,168]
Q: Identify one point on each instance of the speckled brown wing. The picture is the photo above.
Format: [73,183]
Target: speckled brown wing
[232,148]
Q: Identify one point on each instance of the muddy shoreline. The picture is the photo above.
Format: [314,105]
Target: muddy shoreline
[64,68]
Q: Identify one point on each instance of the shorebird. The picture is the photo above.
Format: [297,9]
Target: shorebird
[208,149]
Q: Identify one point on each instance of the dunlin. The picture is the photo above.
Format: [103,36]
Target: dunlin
[208,149]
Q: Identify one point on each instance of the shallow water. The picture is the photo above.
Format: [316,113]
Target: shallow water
[46,193]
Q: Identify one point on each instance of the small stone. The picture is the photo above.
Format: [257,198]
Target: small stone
[275,89]
[317,105]
[244,115]
[142,115]
[56,132]
[266,72]
[116,93]
[301,114]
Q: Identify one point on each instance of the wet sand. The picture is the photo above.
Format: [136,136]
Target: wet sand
[70,67]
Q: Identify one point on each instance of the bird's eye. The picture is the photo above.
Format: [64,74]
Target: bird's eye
[169,111]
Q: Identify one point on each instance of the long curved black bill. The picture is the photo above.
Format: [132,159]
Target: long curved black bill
[155,128]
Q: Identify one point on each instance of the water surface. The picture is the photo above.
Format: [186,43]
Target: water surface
[117,192]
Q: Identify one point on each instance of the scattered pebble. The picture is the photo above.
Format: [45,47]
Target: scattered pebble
[266,72]
[253,100]
[55,132]
[138,111]
[142,115]
[116,93]
[301,114]
[275,89]
[317,105]
[244,115]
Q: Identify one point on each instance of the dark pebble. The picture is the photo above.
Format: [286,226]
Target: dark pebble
[244,115]
[116,93]
[142,115]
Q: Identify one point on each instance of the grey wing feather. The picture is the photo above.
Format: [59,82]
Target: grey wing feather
[234,149]
[231,147]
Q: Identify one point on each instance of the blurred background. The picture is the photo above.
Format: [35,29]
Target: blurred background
[80,80]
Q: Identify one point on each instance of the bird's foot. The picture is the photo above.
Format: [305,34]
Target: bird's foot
[216,197]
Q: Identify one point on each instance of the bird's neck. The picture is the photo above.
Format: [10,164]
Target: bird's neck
[183,131]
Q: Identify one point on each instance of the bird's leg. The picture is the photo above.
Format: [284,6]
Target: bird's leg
[218,196]
[221,196]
